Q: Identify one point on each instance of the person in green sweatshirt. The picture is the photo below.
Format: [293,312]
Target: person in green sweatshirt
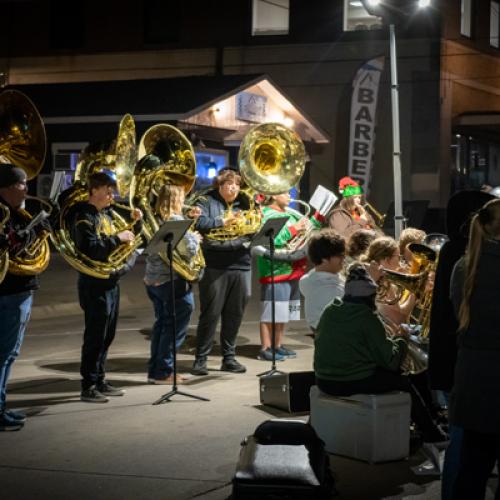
[354,355]
[287,272]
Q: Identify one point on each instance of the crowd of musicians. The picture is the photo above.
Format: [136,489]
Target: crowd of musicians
[365,325]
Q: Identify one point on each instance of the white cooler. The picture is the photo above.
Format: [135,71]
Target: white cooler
[369,427]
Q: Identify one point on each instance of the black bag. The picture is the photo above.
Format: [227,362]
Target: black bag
[283,459]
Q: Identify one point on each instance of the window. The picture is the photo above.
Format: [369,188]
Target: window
[494,24]
[357,18]
[270,17]
[466,18]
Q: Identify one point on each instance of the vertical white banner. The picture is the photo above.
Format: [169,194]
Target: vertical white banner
[362,124]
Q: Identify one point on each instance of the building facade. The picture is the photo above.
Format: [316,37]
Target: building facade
[447,62]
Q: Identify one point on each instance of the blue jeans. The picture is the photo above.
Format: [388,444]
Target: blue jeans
[160,364]
[15,312]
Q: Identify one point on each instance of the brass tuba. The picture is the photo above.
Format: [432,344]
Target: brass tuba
[166,157]
[23,143]
[119,158]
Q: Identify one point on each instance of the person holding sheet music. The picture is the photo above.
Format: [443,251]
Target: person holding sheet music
[286,276]
[158,288]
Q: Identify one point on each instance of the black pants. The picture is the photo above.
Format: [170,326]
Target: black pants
[477,458]
[223,294]
[387,381]
[100,307]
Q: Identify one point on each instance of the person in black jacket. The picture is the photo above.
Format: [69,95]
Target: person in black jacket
[93,234]
[475,398]
[226,284]
[443,324]
[16,291]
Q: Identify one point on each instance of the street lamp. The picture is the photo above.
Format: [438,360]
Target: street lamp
[392,11]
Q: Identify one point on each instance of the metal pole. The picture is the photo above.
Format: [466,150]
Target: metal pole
[396,151]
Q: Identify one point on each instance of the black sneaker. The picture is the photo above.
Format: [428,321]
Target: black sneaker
[92,395]
[199,367]
[231,365]
[108,390]
[7,423]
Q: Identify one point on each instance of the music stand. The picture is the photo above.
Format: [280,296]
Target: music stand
[413,215]
[171,232]
[265,237]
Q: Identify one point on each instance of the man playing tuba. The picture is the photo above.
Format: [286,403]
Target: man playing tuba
[226,284]
[16,290]
[93,234]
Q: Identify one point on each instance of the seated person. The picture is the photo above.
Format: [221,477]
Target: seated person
[353,354]
[324,282]
[357,246]
[384,251]
[407,236]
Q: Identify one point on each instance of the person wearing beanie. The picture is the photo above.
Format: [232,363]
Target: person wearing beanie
[353,354]
[16,292]
[94,236]
[350,214]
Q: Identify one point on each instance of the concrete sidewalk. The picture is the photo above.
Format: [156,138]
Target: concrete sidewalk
[130,449]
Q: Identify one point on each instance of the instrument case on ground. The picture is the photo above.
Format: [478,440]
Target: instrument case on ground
[287,391]
[283,459]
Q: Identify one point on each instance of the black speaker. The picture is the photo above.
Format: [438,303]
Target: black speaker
[287,391]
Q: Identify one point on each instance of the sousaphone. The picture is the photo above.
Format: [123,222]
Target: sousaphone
[120,159]
[23,143]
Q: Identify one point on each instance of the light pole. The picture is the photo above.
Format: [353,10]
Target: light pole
[389,11]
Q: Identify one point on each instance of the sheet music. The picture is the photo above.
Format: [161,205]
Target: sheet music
[322,200]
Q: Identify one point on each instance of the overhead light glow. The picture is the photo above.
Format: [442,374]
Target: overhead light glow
[288,122]
[356,3]
[423,4]
[373,3]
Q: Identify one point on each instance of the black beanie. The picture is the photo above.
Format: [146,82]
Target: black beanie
[10,175]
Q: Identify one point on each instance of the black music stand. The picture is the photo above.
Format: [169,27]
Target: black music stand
[171,232]
[265,237]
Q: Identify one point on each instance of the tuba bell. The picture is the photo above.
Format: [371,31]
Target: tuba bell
[23,143]
[119,158]
[166,157]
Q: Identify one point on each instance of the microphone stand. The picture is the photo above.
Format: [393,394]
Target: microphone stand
[166,397]
[273,371]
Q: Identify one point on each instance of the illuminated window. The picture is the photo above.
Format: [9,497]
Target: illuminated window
[357,18]
[270,17]
[466,18]
[494,24]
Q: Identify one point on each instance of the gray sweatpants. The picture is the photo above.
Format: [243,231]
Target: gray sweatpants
[224,294]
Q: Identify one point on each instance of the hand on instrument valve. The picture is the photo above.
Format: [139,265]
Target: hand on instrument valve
[302,225]
[231,217]
[126,236]
[194,213]
[136,214]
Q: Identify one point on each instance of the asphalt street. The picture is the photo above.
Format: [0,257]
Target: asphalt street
[130,449]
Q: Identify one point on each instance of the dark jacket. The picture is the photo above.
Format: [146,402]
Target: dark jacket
[475,399]
[443,324]
[14,240]
[351,343]
[231,254]
[92,232]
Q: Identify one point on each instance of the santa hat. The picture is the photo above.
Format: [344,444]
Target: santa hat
[349,187]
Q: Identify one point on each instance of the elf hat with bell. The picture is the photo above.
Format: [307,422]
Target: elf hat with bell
[349,187]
